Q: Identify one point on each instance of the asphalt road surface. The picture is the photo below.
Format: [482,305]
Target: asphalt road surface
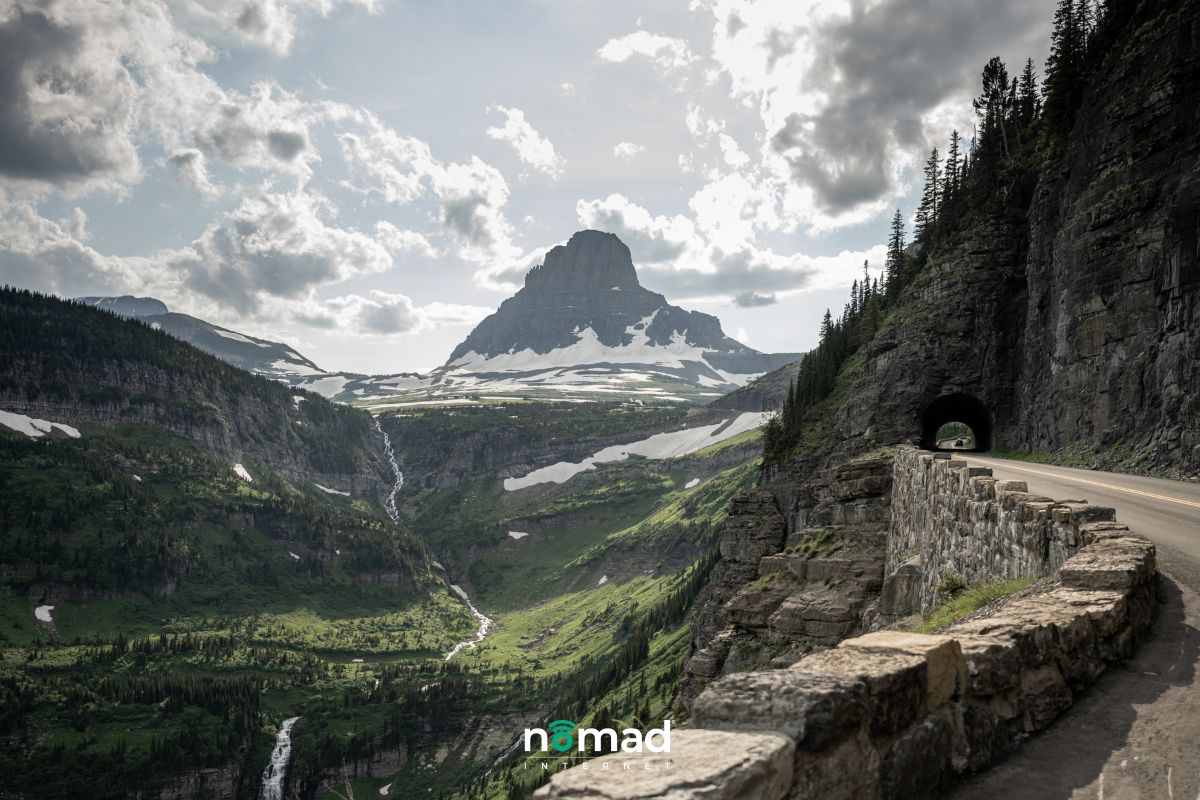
[1136,732]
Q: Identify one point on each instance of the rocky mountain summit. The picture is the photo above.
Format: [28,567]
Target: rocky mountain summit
[583,318]
[583,326]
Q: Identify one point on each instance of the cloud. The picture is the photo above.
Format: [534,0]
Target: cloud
[275,245]
[268,23]
[851,94]
[85,86]
[189,168]
[49,255]
[265,129]
[663,51]
[534,150]
[384,314]
[754,300]
[472,194]
[401,241]
[628,150]
[715,255]
[286,145]
[69,103]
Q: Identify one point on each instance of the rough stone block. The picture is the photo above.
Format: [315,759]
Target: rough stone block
[992,729]
[993,664]
[895,682]
[1005,487]
[715,765]
[848,770]
[1118,563]
[818,711]
[945,669]
[1095,531]
[918,765]
[901,593]
[1045,695]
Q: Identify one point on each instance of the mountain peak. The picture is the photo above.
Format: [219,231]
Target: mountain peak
[589,261]
[583,320]
[127,305]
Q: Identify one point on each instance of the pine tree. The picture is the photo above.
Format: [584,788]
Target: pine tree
[930,199]
[1065,69]
[950,187]
[1028,101]
[992,106]
[894,265]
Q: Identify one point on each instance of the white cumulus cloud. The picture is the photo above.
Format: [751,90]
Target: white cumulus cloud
[534,150]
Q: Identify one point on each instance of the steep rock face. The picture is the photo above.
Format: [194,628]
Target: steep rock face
[584,305]
[801,568]
[1112,328]
[1079,327]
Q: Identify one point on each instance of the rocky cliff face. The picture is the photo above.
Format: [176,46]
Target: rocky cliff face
[1078,327]
[1112,320]
[1074,328]
[801,569]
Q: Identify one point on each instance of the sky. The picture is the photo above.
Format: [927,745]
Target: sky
[367,179]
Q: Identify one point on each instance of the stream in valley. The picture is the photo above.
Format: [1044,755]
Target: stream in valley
[389,505]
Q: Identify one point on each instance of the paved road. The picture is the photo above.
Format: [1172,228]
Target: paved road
[1136,733]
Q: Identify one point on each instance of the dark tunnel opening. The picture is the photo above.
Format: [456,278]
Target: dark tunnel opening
[957,408]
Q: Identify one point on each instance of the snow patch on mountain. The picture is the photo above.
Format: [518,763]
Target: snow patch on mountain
[659,446]
[35,428]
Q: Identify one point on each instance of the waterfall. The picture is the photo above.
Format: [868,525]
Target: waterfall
[273,775]
[389,505]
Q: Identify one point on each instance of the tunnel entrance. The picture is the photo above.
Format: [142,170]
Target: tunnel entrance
[956,422]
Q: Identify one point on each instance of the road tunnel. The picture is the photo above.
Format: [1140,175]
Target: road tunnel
[960,408]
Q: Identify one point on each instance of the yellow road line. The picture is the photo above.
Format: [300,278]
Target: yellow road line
[1114,487]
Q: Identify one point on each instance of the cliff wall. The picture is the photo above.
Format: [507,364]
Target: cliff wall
[1075,328]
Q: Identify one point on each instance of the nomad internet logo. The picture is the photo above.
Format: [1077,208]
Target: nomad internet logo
[563,735]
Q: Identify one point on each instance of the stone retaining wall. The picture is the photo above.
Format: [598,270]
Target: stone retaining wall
[900,715]
[951,519]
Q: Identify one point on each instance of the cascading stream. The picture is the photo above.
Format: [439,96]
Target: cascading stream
[389,505]
[276,771]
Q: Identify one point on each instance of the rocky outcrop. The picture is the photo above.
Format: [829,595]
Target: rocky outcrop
[900,715]
[801,568]
[206,783]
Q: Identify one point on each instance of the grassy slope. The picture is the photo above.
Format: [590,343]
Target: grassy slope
[265,633]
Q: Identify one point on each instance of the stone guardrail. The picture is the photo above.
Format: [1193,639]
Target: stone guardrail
[951,518]
[900,715]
